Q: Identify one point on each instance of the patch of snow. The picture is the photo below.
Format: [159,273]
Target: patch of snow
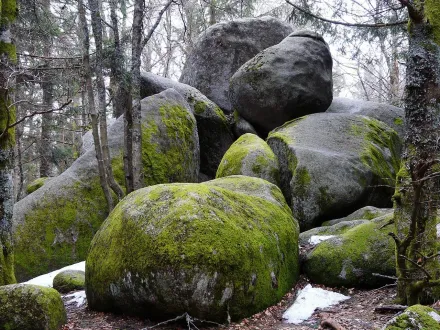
[78,297]
[316,239]
[47,279]
[308,300]
[435,316]
[438,230]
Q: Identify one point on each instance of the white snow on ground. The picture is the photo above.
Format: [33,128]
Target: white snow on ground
[47,279]
[438,230]
[308,300]
[78,297]
[315,239]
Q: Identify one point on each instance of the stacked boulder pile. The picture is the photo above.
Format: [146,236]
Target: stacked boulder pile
[254,111]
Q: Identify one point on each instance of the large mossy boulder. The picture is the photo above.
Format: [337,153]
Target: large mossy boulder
[250,156]
[333,164]
[221,249]
[223,48]
[393,116]
[352,258]
[283,82]
[215,135]
[27,307]
[54,225]
[69,280]
[416,317]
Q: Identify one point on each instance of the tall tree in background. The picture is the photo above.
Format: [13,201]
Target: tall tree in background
[418,184]
[7,140]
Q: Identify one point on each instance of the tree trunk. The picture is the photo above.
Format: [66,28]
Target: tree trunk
[46,119]
[136,50]
[91,104]
[418,185]
[7,142]
[97,32]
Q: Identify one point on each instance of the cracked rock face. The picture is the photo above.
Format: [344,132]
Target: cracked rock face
[283,82]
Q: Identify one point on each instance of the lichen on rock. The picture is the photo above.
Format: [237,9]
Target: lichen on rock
[219,249]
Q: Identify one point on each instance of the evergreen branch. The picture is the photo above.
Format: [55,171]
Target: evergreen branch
[376,25]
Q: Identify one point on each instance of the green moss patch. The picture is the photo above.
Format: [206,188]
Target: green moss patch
[36,184]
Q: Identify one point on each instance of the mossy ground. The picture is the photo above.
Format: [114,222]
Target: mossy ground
[236,240]
[30,307]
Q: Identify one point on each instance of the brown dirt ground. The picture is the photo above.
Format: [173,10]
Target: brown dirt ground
[356,313]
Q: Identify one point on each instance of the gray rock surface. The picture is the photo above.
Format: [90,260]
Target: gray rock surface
[27,307]
[241,126]
[365,213]
[283,82]
[389,114]
[333,164]
[223,48]
[219,250]
[53,226]
[250,156]
[215,135]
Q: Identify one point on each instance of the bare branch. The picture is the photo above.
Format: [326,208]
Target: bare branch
[153,28]
[376,25]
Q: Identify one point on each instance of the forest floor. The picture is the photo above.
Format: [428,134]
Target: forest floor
[357,313]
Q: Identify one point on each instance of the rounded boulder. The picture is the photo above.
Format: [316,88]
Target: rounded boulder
[219,250]
[69,280]
[25,306]
[250,156]
[284,82]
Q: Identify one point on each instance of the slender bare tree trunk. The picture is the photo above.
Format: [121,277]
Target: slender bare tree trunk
[46,119]
[136,51]
[91,104]
[97,32]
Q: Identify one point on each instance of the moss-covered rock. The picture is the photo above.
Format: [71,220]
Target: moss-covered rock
[250,156]
[54,226]
[416,317]
[336,229]
[219,249]
[351,259]
[24,306]
[215,135]
[333,164]
[365,213]
[36,184]
[69,280]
